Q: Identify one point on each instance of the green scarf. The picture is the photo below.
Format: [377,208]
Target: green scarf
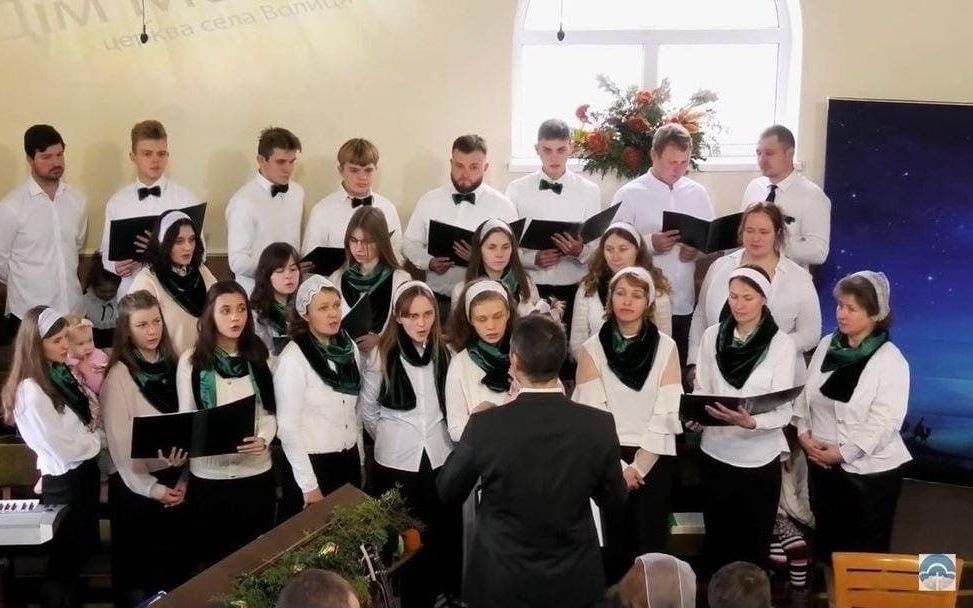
[156,382]
[630,359]
[354,284]
[848,363]
[188,291]
[397,392]
[346,378]
[70,391]
[509,280]
[277,316]
[494,359]
[233,366]
[737,358]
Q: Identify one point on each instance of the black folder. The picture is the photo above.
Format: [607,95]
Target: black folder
[441,239]
[693,407]
[209,432]
[325,259]
[358,320]
[708,237]
[279,343]
[539,233]
[122,233]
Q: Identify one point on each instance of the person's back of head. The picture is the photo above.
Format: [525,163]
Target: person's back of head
[315,588]
[739,585]
[655,580]
[539,347]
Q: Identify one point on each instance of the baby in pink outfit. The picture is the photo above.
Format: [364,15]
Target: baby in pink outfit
[87,362]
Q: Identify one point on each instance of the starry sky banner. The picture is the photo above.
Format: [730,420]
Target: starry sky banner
[900,179]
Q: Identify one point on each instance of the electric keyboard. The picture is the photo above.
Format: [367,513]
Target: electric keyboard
[28,522]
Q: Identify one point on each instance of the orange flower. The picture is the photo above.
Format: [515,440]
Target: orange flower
[689,120]
[643,97]
[632,157]
[598,142]
[638,124]
[582,113]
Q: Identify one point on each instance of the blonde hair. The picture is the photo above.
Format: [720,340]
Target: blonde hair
[76,323]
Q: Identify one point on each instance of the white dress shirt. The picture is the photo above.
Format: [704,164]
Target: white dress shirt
[643,201]
[647,418]
[589,315]
[312,417]
[228,390]
[61,441]
[254,220]
[579,200]
[401,436]
[183,327]
[438,205]
[734,445]
[328,221]
[524,307]
[121,401]
[39,244]
[809,234]
[793,302]
[465,391]
[866,427]
[125,204]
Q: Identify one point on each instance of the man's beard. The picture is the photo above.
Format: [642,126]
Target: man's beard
[472,187]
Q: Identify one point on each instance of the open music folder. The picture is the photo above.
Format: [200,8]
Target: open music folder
[707,236]
[693,407]
[122,233]
[209,432]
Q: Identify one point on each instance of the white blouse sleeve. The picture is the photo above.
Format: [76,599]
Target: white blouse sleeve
[371,385]
[663,314]
[882,418]
[290,386]
[700,322]
[42,429]
[579,322]
[807,327]
[457,409]
[118,394]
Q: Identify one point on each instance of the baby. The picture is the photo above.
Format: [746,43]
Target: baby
[88,363]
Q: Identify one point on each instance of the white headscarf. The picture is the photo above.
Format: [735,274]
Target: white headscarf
[639,273]
[883,290]
[311,287]
[669,581]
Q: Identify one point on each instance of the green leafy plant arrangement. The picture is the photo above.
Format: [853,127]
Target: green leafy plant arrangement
[618,139]
[375,522]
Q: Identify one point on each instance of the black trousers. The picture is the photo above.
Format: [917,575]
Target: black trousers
[77,537]
[680,335]
[9,325]
[445,304]
[335,469]
[290,499]
[739,508]
[643,525]
[438,566]
[148,549]
[853,512]
[564,293]
[229,513]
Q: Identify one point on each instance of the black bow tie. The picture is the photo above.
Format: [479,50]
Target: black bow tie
[145,193]
[358,202]
[276,189]
[553,186]
[469,197]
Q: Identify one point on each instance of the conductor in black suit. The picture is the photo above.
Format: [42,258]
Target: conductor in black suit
[540,459]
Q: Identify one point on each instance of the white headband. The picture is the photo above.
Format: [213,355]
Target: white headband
[492,223]
[308,289]
[168,220]
[762,283]
[638,272]
[46,320]
[482,287]
[401,289]
[629,229]
[883,290]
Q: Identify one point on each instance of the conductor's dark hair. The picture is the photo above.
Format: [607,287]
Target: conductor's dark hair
[540,346]
[739,585]
[553,128]
[783,135]
[39,138]
[314,588]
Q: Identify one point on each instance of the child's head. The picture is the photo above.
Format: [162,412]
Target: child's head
[81,339]
[100,282]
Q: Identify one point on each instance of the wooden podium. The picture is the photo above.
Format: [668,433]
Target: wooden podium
[266,549]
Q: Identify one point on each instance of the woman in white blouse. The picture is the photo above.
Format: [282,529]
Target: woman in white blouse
[317,382]
[371,270]
[146,495]
[494,254]
[231,496]
[403,406]
[631,369]
[53,414]
[177,277]
[792,300]
[743,355]
[620,247]
[849,417]
[275,282]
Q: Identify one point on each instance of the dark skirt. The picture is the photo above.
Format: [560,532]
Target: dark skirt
[335,469]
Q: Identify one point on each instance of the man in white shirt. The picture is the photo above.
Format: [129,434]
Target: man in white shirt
[807,209]
[466,203]
[326,226]
[152,193]
[268,208]
[42,227]
[666,188]
[554,193]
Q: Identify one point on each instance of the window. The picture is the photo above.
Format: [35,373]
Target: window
[747,51]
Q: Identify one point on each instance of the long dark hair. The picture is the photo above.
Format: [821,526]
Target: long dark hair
[598,266]
[161,253]
[122,348]
[461,331]
[274,256]
[477,269]
[249,346]
[372,222]
[29,363]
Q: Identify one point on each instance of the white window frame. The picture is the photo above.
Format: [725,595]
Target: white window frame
[787,36]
